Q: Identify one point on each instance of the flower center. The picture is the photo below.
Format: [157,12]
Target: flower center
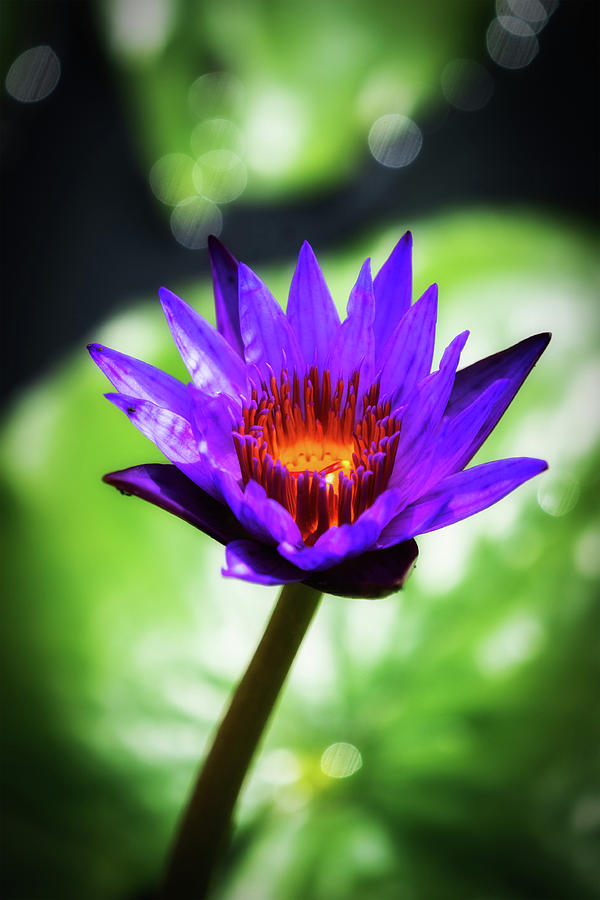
[312,453]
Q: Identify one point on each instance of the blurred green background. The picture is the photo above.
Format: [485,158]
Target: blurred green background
[439,744]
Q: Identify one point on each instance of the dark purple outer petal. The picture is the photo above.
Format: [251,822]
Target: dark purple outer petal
[165,486]
[371,575]
[311,311]
[375,574]
[514,363]
[393,290]
[259,564]
[224,268]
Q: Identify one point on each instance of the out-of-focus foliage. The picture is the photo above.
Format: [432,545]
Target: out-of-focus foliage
[471,697]
[294,87]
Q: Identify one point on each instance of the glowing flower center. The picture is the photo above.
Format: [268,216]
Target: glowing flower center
[311,453]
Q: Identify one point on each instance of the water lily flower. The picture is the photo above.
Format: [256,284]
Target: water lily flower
[316,449]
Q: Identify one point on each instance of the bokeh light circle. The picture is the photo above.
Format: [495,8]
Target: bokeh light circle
[558,493]
[220,175]
[341,760]
[171,178]
[216,95]
[511,42]
[216,134]
[33,75]
[193,220]
[395,140]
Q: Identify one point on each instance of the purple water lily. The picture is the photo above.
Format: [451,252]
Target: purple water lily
[314,449]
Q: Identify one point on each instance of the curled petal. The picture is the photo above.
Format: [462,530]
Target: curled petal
[165,486]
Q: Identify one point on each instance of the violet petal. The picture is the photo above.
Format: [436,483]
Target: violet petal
[354,347]
[139,379]
[165,486]
[407,356]
[470,491]
[311,311]
[269,342]
[375,574]
[421,422]
[172,434]
[514,363]
[213,365]
[393,290]
[344,541]
[262,517]
[224,269]
[259,564]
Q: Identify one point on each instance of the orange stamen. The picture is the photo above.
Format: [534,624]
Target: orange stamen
[311,453]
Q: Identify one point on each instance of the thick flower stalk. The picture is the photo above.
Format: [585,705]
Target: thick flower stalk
[316,450]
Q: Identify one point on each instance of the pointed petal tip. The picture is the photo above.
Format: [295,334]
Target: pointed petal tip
[216,247]
[246,276]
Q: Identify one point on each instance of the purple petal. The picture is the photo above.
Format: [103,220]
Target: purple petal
[468,492]
[371,575]
[407,356]
[311,311]
[214,419]
[413,520]
[354,345]
[224,268]
[263,518]
[214,366]
[421,421]
[165,486]
[345,541]
[172,434]
[464,432]
[393,290]
[139,379]
[269,342]
[259,564]
[515,363]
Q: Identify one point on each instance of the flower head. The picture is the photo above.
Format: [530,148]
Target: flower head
[315,449]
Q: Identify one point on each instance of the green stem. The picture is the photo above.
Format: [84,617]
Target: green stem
[205,825]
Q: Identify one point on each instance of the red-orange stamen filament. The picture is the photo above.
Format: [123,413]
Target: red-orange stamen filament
[312,454]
